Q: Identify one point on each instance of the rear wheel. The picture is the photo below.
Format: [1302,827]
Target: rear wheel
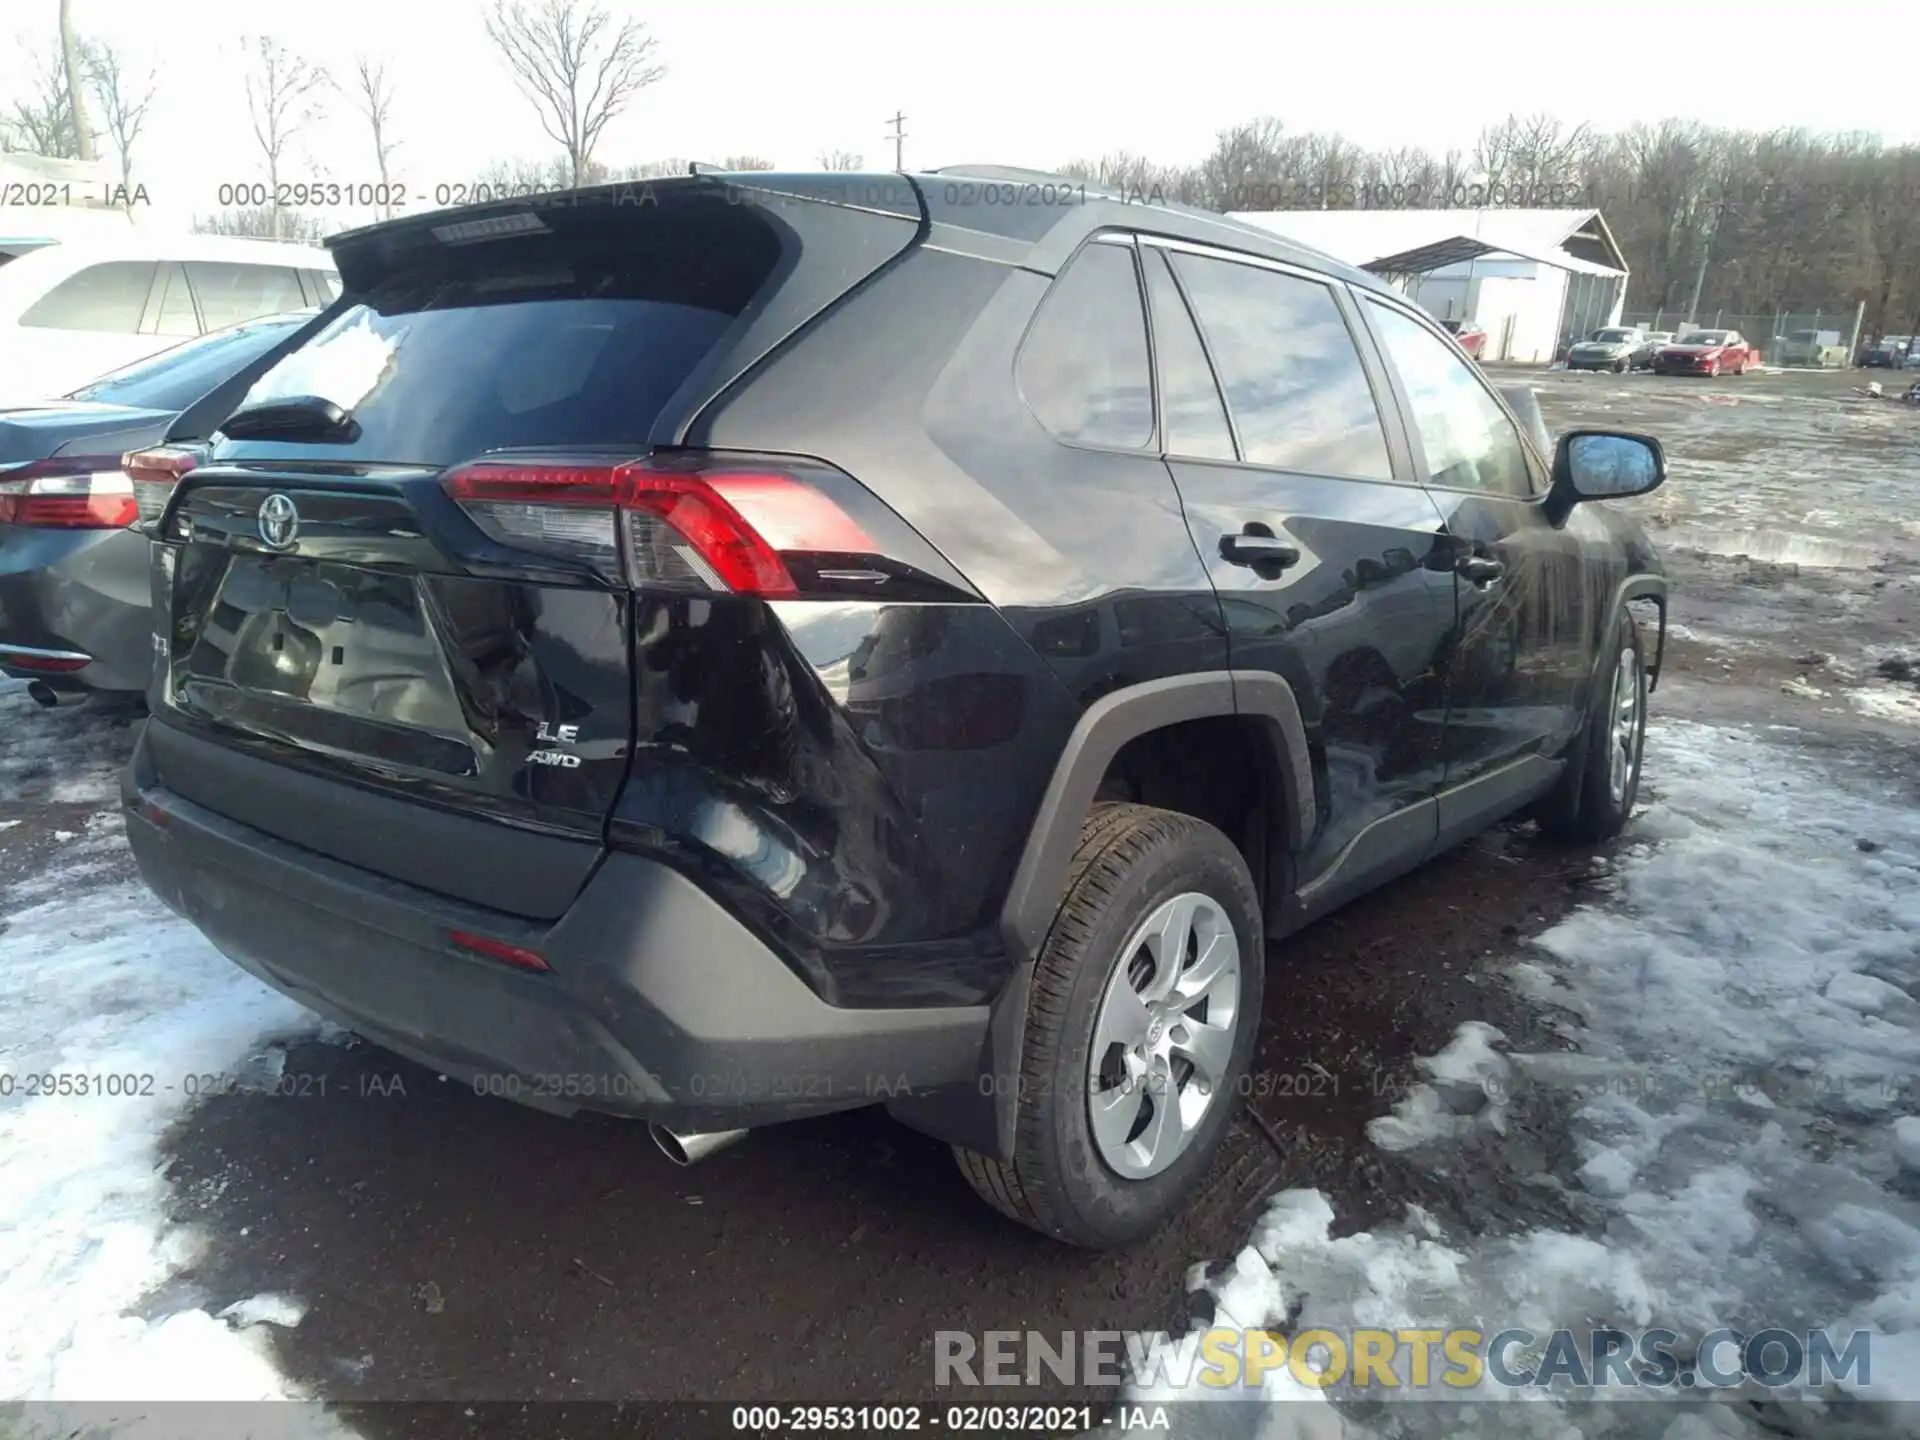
[1145,1001]
[1595,796]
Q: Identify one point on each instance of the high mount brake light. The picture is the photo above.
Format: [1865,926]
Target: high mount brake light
[154,473]
[69,492]
[702,528]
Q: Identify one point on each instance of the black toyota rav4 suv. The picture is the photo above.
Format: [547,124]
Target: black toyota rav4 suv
[744,647]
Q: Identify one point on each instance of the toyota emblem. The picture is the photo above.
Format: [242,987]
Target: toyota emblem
[279,521]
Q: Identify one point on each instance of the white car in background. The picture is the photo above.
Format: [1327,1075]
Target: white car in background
[71,311]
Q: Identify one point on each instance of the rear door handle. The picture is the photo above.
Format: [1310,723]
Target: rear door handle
[1479,569]
[1261,550]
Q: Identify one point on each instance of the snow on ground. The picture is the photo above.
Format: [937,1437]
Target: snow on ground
[1743,1007]
[104,992]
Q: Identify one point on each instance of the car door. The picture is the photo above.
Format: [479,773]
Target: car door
[1301,501]
[1523,646]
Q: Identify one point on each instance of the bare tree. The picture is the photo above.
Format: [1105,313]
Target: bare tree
[842,160]
[123,104]
[1243,172]
[284,93]
[1758,225]
[576,65]
[745,162]
[1138,178]
[71,63]
[42,123]
[648,170]
[507,178]
[373,97]
[263,222]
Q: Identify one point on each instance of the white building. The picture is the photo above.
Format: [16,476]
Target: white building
[1532,279]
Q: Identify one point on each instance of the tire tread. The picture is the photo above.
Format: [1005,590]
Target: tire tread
[1113,838]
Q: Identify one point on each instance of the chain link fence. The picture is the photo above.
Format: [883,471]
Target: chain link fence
[1785,337]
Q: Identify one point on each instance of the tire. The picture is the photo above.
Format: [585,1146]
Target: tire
[1619,367]
[1591,803]
[1132,862]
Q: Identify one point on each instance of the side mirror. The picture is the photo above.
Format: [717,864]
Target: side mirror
[1603,465]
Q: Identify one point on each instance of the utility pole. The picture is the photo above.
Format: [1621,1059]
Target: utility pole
[899,135]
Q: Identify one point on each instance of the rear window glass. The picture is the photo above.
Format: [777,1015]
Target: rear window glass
[174,379]
[526,343]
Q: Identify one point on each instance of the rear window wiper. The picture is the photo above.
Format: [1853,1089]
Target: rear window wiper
[295,418]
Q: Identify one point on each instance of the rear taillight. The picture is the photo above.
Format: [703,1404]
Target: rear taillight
[75,492]
[154,473]
[702,526]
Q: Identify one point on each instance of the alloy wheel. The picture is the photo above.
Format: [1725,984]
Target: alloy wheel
[1623,730]
[1164,1035]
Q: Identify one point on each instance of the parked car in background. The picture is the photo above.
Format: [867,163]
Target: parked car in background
[832,644]
[1889,352]
[80,308]
[1618,348]
[1471,337]
[1706,352]
[1818,349]
[74,582]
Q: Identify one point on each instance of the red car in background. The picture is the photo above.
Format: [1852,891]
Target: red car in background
[1706,352]
[1472,338]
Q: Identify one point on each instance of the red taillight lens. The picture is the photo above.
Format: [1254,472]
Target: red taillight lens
[78,492]
[498,950]
[701,528]
[57,662]
[154,473]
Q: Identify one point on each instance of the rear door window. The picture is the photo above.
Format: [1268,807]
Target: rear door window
[1195,417]
[111,297]
[176,315]
[1295,384]
[230,294]
[321,287]
[1084,368]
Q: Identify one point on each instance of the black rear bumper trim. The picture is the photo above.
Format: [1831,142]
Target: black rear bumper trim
[659,1005]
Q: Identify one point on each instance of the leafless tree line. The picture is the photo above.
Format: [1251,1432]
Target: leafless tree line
[1754,221]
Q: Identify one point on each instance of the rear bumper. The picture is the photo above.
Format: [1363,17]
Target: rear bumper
[76,592]
[659,1004]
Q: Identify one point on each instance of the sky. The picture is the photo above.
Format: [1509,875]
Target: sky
[1031,84]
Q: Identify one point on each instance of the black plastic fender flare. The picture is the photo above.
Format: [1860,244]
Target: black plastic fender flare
[1645,586]
[982,1117]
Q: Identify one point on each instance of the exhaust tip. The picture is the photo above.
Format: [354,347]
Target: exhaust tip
[43,694]
[693,1147]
